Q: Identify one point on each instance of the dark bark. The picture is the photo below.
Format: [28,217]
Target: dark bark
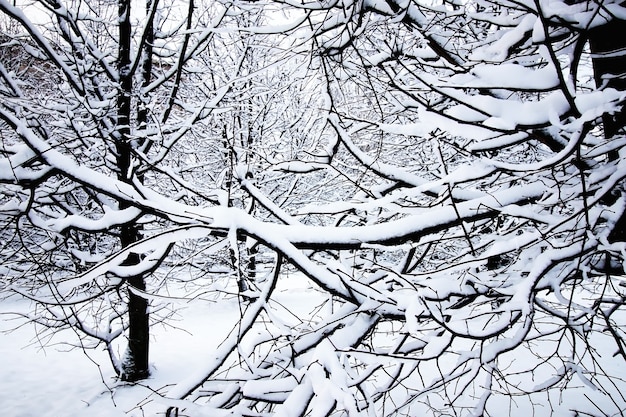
[135,365]
[607,44]
[146,64]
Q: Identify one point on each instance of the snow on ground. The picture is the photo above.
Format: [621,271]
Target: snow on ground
[35,382]
[46,381]
[52,381]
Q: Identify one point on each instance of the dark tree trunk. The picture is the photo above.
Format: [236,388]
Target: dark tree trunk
[607,44]
[146,67]
[135,365]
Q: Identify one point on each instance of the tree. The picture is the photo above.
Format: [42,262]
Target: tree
[112,110]
[446,175]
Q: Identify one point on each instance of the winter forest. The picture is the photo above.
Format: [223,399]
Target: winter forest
[371,207]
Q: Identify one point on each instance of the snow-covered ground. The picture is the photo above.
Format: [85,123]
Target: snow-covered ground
[50,381]
[41,378]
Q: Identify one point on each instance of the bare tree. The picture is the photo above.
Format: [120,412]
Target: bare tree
[465,232]
[97,105]
[447,176]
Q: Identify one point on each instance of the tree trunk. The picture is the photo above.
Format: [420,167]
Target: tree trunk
[135,365]
[607,43]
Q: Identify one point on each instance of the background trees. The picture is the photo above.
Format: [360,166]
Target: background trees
[446,175]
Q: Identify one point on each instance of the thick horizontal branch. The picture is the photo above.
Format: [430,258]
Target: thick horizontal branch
[394,232]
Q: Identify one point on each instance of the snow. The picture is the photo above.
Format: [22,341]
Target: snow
[110,219]
[507,114]
[499,50]
[507,76]
[45,378]
[53,381]
[299,166]
[48,381]
[293,344]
